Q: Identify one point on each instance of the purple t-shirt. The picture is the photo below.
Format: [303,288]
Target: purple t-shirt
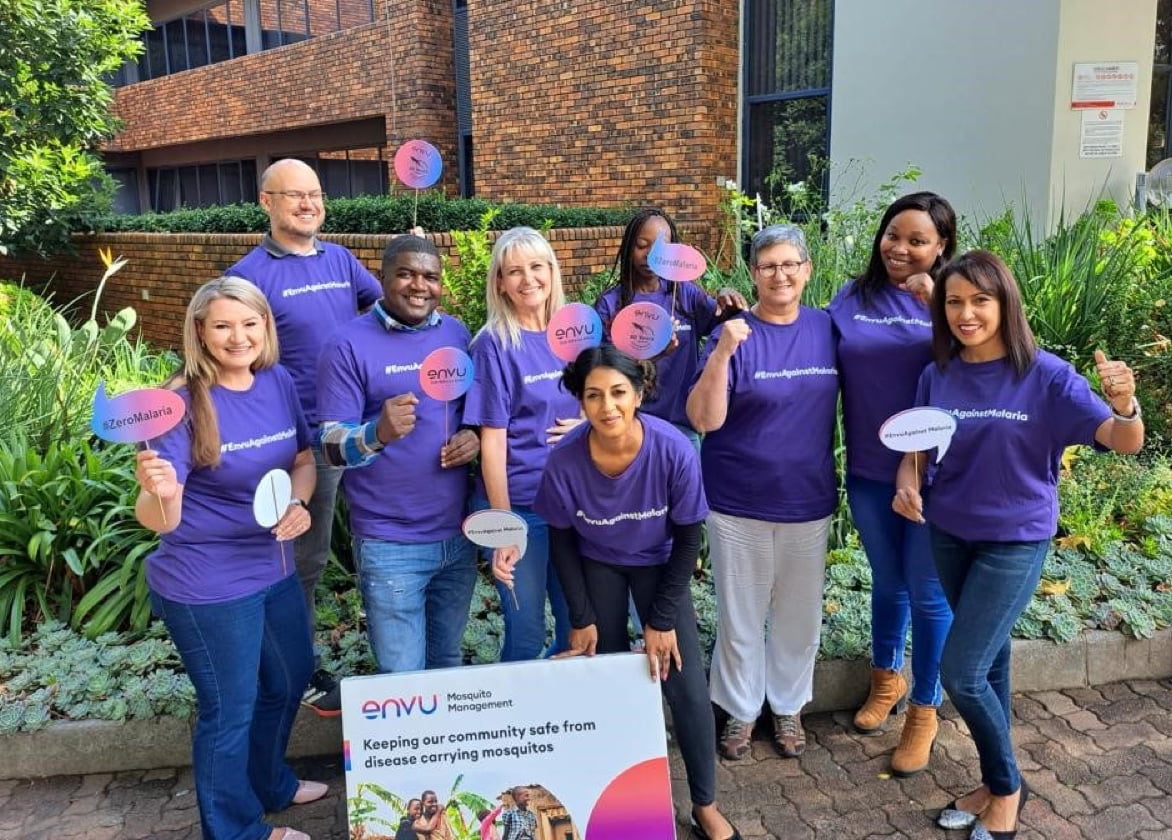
[773,459]
[218,552]
[674,373]
[311,297]
[999,478]
[404,495]
[882,348]
[624,520]
[520,390]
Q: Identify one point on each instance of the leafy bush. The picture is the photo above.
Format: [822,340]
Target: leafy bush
[367,214]
[52,369]
[72,549]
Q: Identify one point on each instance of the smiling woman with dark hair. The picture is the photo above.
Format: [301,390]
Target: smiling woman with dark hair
[624,502]
[883,339]
[992,503]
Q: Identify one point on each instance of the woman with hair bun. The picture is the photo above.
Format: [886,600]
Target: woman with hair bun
[624,502]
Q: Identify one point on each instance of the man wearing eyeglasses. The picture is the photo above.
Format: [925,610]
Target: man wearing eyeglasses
[314,288]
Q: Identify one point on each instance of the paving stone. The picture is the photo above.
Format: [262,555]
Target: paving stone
[1055,702]
[1029,708]
[1118,790]
[1061,797]
[1124,735]
[1119,822]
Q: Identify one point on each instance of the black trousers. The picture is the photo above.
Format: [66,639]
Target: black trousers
[687,690]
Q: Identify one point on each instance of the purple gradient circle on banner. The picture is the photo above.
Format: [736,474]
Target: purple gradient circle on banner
[676,262]
[136,416]
[636,803]
[641,330]
[446,373]
[572,329]
[418,164]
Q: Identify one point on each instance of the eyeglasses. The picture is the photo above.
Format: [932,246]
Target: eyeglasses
[789,268]
[298,195]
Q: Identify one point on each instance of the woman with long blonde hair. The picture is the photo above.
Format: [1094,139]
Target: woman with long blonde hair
[224,586]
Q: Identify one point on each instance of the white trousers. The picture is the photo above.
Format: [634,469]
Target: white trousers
[766,572]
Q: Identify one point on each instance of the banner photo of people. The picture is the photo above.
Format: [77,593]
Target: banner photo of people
[571,749]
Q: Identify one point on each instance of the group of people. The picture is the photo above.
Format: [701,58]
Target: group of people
[615,464]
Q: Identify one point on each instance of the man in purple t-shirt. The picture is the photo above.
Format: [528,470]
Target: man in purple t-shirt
[407,481]
[313,288]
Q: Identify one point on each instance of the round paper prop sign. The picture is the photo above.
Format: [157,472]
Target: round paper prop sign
[272,497]
[418,164]
[641,330]
[572,329]
[446,373]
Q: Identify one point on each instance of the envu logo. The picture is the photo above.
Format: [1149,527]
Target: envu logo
[574,331]
[402,706]
[451,374]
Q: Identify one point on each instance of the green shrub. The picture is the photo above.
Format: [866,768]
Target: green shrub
[367,214]
[52,369]
[72,549]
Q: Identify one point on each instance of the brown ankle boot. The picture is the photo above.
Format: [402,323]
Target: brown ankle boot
[915,742]
[888,690]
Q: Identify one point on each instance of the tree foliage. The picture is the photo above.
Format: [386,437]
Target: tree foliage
[55,109]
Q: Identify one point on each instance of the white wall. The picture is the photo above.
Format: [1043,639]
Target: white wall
[1088,34]
[977,94]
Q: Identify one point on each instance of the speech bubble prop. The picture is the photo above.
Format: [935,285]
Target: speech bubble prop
[272,497]
[446,373]
[572,329]
[676,262]
[641,330]
[135,416]
[496,529]
[919,429]
[418,164]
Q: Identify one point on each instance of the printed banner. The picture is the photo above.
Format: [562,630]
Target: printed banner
[581,739]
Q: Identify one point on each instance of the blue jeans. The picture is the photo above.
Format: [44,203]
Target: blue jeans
[249,660]
[533,579]
[989,585]
[417,597]
[904,588]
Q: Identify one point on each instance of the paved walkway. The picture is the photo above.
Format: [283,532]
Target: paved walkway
[1100,761]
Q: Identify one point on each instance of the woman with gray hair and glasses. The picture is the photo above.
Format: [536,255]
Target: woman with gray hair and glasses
[765,400]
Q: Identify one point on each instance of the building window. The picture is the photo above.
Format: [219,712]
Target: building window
[347,173]
[787,63]
[1159,124]
[218,32]
[203,185]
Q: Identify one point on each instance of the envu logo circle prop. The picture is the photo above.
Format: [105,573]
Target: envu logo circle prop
[446,373]
[135,416]
[641,330]
[919,429]
[572,329]
[418,164]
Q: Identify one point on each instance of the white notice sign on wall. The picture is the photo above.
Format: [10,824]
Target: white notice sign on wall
[1102,134]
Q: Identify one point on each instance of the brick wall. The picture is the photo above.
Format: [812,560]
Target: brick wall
[167,268]
[399,67]
[605,102]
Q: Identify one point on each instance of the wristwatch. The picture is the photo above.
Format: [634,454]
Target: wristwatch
[299,502]
[1135,413]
